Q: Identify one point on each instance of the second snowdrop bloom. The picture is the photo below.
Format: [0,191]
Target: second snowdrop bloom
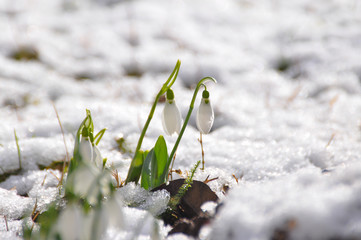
[171,116]
[205,114]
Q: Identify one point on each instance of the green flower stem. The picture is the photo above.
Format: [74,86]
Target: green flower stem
[191,106]
[152,110]
[164,89]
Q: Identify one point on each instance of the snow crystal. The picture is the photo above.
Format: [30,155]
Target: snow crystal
[32,179]
[132,194]
[154,202]
[13,206]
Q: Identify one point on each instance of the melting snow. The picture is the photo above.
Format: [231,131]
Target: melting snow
[287,106]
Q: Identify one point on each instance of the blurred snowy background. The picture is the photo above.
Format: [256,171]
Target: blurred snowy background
[287,104]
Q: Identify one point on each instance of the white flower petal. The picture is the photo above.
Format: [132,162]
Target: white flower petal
[86,149]
[113,212]
[85,182]
[171,118]
[95,224]
[205,116]
[69,224]
[97,157]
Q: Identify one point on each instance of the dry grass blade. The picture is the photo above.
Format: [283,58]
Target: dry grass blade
[35,207]
[331,139]
[209,180]
[55,176]
[119,181]
[201,142]
[66,148]
[42,184]
[293,96]
[234,176]
[333,101]
[170,174]
[6,223]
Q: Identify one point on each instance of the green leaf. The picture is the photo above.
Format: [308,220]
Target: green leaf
[154,171]
[136,166]
[159,170]
[99,136]
[145,182]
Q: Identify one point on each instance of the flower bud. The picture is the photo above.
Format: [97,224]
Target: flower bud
[86,149]
[171,116]
[205,114]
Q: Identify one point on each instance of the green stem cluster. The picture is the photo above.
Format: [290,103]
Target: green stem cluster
[167,85]
[191,106]
[139,157]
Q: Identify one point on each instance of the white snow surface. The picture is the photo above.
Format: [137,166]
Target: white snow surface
[291,138]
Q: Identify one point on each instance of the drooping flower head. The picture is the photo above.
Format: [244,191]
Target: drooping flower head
[171,116]
[205,114]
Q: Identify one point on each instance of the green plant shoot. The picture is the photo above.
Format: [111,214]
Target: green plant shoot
[132,174]
[153,167]
[154,171]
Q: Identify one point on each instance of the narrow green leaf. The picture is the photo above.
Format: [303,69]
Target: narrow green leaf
[18,147]
[135,168]
[99,136]
[146,170]
[159,163]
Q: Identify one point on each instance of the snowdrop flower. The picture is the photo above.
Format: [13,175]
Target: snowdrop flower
[85,182]
[97,157]
[88,181]
[69,224]
[205,114]
[95,224]
[113,212]
[86,149]
[171,116]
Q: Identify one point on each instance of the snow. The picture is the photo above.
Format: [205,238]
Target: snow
[14,206]
[154,202]
[322,206]
[291,138]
